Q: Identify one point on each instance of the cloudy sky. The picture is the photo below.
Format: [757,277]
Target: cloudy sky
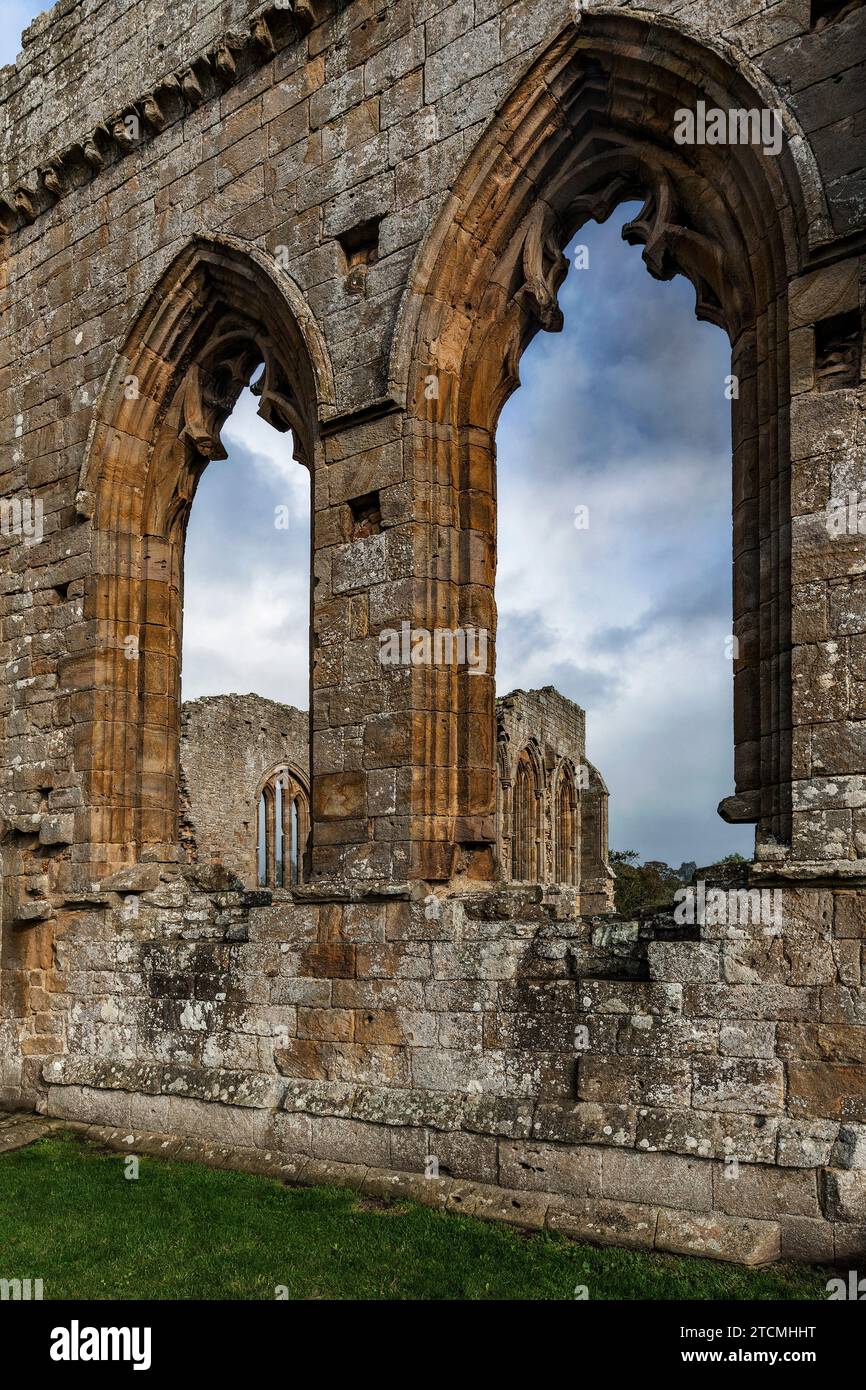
[624,414]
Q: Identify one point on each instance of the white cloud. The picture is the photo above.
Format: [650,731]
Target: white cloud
[246,585]
[271,451]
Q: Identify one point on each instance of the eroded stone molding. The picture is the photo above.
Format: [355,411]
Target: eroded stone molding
[181,285]
[214,383]
[145,117]
[671,248]
[544,268]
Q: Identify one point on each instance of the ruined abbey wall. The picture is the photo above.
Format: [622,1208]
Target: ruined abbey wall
[372,201]
[231,744]
[228,745]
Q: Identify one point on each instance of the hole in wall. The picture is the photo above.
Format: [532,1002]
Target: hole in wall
[838,347]
[360,246]
[365,516]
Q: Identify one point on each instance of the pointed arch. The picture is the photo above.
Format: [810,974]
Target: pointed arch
[528,814]
[590,125]
[219,313]
[587,97]
[283,828]
[566,825]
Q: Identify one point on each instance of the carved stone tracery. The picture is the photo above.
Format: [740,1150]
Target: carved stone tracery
[671,246]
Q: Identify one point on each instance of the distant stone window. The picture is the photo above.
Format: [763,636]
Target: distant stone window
[525,820]
[283,830]
[566,826]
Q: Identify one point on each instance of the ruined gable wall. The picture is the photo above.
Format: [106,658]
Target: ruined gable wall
[556,723]
[228,744]
[555,727]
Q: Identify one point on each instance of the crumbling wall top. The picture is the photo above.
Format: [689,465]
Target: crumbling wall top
[84,60]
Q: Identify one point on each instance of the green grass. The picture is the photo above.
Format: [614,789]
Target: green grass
[69,1216]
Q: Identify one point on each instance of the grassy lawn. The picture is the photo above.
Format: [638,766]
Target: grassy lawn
[69,1216]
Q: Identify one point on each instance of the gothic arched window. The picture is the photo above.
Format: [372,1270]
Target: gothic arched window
[283,829]
[565,826]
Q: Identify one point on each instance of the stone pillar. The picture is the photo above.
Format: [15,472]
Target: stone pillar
[828,556]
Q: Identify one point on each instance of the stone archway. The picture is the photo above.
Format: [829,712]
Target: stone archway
[589,126]
[218,314]
[566,824]
[528,814]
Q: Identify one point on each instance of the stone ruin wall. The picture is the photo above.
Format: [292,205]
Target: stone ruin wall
[555,728]
[555,723]
[378,1035]
[228,745]
[402,1006]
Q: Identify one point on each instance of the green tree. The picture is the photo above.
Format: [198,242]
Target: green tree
[637,885]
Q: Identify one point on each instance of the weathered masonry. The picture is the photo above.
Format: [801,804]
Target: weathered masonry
[364,207]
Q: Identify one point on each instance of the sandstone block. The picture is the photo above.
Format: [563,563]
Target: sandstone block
[339,795]
[738,1084]
[550,1168]
[624,1081]
[850,1148]
[750,1190]
[707,1134]
[806,1240]
[585,1123]
[684,962]
[660,1179]
[829,1089]
[349,1141]
[718,1237]
[805,1143]
[470,1157]
[600,1222]
[844,1196]
[515,1208]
